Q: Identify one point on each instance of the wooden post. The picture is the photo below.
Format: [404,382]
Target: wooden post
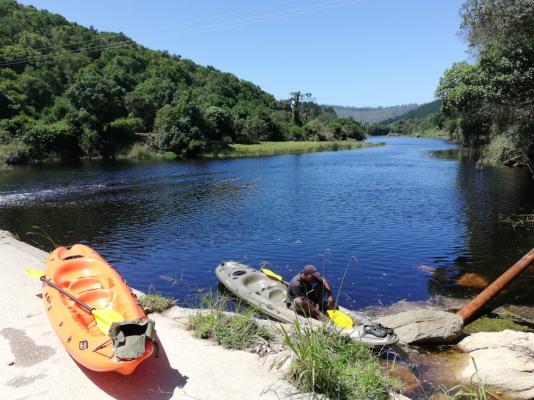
[499,284]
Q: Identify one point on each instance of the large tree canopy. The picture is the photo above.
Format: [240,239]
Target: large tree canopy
[495,95]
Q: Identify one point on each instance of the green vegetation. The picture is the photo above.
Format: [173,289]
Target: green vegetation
[486,104]
[236,330]
[476,390]
[273,148]
[13,153]
[156,302]
[487,324]
[422,111]
[338,367]
[490,101]
[68,92]
[142,151]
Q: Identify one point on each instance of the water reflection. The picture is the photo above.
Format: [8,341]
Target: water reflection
[414,222]
[493,245]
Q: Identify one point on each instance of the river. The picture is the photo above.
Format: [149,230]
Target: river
[404,220]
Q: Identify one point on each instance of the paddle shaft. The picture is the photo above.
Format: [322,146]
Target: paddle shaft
[70,296]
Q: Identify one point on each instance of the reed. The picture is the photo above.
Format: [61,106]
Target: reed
[326,363]
[277,148]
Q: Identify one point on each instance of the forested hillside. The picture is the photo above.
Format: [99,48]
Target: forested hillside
[373,114]
[422,111]
[68,91]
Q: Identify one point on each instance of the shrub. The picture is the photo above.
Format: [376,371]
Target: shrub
[236,330]
[156,302]
[13,153]
[336,366]
[170,156]
[119,134]
[500,148]
[141,151]
[52,140]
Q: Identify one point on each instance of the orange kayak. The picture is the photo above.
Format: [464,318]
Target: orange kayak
[83,273]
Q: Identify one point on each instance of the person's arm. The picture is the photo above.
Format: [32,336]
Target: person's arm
[296,289]
[326,285]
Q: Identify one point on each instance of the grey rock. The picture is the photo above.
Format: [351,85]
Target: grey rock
[424,325]
[501,359]
[398,396]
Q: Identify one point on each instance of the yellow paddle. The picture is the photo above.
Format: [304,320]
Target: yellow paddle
[339,318]
[103,317]
[271,274]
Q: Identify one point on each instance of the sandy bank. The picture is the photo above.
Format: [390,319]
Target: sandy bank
[34,364]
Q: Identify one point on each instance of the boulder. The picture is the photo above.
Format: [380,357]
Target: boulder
[424,325]
[473,280]
[503,359]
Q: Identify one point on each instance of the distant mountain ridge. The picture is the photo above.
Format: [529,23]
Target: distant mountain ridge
[374,114]
[422,111]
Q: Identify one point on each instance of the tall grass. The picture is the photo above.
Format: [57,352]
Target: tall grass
[12,153]
[477,390]
[329,364]
[236,330]
[142,151]
[275,148]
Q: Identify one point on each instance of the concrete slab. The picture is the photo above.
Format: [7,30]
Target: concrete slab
[34,364]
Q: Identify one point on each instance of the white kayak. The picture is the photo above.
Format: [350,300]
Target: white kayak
[269,296]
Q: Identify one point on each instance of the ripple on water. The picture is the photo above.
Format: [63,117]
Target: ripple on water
[394,208]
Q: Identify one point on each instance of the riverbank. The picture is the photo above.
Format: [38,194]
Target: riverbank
[278,148]
[31,357]
[263,149]
[34,364]
[143,151]
[429,134]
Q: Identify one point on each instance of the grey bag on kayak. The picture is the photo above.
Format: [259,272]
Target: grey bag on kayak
[129,338]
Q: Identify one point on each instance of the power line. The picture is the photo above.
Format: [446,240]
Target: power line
[51,56]
[272,17]
[218,16]
[230,24]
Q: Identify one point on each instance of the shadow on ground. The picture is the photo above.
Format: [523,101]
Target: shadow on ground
[154,379]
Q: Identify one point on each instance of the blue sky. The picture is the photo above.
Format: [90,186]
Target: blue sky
[346,52]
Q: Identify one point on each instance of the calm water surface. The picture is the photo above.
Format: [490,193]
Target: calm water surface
[414,220]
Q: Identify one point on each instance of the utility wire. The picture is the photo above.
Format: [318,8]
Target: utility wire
[259,19]
[218,16]
[235,23]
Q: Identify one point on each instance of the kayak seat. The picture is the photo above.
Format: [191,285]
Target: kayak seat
[84,284]
[277,295]
[255,282]
[96,298]
[71,271]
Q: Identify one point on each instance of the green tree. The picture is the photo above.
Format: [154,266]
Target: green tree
[97,95]
[220,123]
[494,95]
[148,97]
[181,129]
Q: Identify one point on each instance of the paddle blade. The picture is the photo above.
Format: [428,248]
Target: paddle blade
[271,274]
[105,317]
[341,319]
[34,273]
